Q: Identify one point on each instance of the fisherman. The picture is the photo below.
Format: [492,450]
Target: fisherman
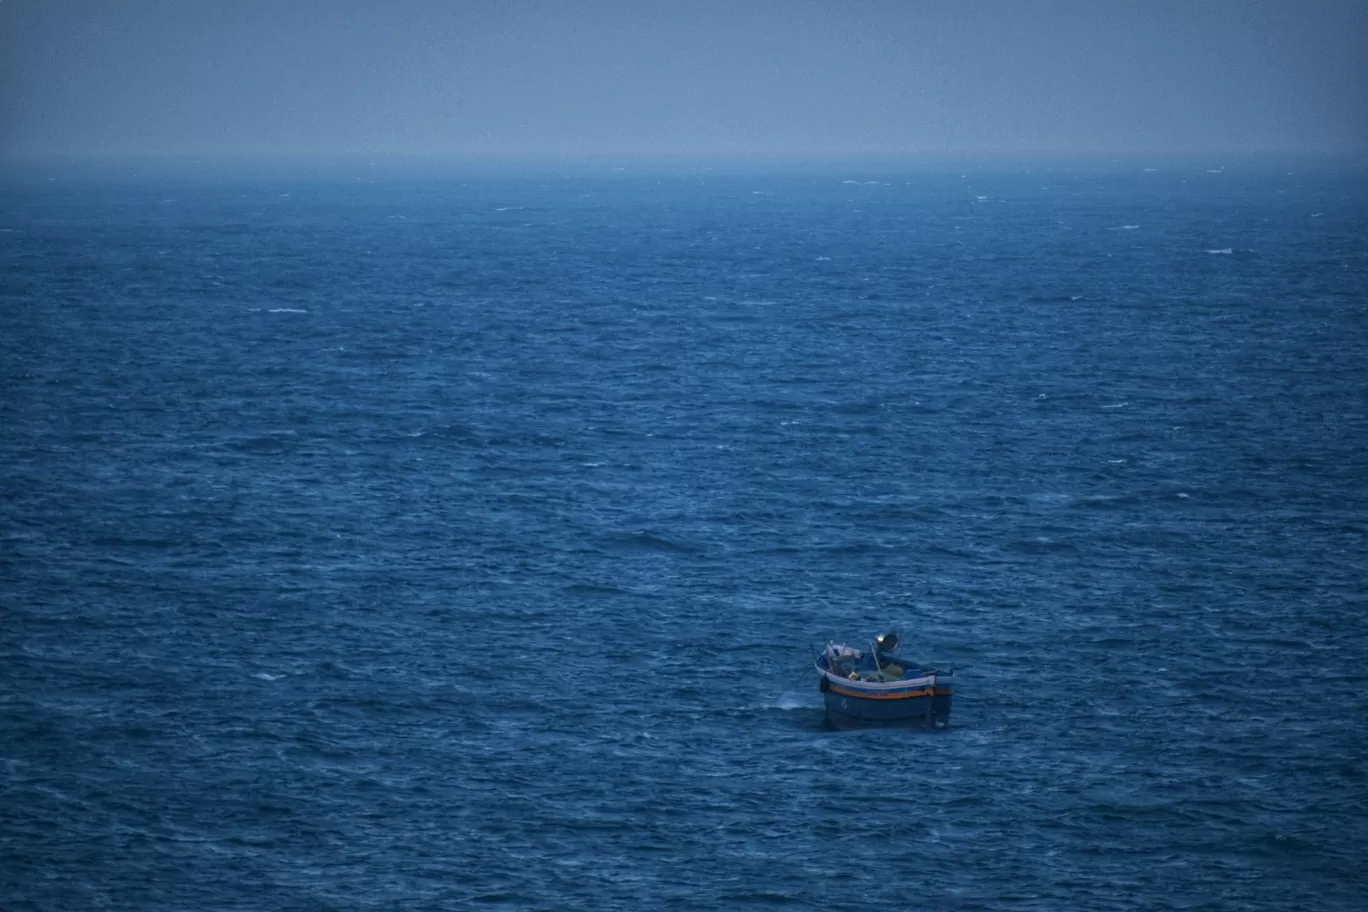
[885,649]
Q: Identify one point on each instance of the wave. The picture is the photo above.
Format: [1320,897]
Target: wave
[583,588]
[646,541]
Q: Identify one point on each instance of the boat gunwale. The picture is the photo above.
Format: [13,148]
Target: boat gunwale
[930,679]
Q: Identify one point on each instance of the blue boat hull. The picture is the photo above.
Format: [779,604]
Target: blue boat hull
[930,710]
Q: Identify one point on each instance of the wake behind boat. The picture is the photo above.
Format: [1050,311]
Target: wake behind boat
[880,686]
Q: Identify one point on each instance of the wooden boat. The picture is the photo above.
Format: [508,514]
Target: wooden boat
[879,686]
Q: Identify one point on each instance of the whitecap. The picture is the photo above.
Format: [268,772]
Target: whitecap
[1124,228]
[823,259]
[1116,405]
[1313,215]
[266,676]
[1222,250]
[510,208]
[286,310]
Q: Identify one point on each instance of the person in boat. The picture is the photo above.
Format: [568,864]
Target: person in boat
[886,646]
[885,651]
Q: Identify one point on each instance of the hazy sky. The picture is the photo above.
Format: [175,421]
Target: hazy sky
[513,77]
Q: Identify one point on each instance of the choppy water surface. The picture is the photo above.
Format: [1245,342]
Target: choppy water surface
[434,543]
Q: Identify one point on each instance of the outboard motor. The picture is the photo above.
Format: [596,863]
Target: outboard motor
[888,643]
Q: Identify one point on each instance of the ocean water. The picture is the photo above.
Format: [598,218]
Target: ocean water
[454,541]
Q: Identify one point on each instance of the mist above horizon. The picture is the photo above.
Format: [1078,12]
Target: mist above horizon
[526,79]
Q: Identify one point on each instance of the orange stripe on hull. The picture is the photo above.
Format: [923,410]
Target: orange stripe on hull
[873,695]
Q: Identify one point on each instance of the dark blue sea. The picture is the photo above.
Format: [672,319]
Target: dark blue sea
[387,540]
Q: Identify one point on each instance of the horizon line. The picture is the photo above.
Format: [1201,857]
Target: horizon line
[382,161]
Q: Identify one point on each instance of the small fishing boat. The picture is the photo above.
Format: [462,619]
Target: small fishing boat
[879,686]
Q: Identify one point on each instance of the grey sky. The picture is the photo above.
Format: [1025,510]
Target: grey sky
[481,77]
